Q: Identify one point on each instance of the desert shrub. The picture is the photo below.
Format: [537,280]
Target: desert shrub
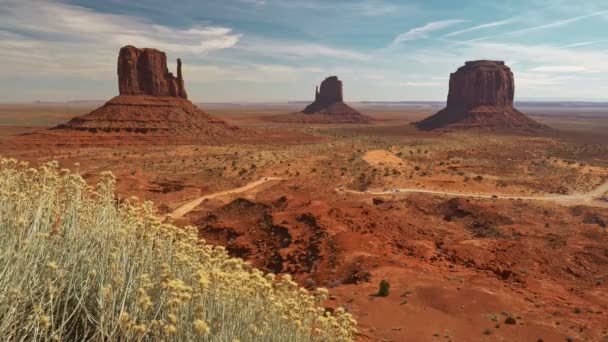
[383,288]
[78,264]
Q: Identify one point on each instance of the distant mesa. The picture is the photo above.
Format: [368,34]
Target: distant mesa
[330,93]
[328,107]
[481,96]
[152,102]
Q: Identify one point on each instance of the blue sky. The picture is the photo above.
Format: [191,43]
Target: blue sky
[279,50]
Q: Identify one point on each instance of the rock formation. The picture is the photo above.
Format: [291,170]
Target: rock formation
[145,72]
[480,96]
[152,102]
[330,93]
[328,107]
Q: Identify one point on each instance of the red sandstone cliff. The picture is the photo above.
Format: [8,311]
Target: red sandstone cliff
[145,72]
[480,96]
[151,102]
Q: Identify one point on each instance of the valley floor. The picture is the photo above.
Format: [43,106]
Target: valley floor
[481,236]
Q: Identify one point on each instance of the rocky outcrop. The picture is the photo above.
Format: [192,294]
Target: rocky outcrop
[152,106]
[480,96]
[329,93]
[145,72]
[329,106]
[145,114]
[481,83]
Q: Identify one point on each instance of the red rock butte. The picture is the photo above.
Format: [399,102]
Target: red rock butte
[152,104]
[329,106]
[145,72]
[481,96]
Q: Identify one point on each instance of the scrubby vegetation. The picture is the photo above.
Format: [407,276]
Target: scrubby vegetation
[78,264]
[383,289]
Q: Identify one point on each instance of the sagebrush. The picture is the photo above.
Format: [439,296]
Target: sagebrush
[77,264]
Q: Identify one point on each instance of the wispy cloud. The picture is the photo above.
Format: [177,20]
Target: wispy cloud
[57,23]
[254,2]
[369,8]
[420,84]
[294,49]
[254,73]
[558,23]
[423,31]
[579,44]
[559,69]
[56,39]
[373,8]
[482,26]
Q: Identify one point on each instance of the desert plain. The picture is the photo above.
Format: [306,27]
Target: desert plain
[482,235]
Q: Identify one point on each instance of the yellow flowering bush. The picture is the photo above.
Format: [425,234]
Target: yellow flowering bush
[78,264]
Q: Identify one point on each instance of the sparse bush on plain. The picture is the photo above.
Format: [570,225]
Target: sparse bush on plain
[80,265]
[383,289]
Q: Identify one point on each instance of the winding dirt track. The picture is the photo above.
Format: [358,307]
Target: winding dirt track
[190,205]
[592,198]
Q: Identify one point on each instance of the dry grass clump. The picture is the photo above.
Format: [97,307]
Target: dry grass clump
[76,264]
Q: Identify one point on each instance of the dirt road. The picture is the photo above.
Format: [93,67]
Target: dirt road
[592,198]
[189,206]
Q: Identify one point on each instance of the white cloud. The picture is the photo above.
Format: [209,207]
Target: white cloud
[368,8]
[558,23]
[558,69]
[256,73]
[55,39]
[482,26]
[537,55]
[291,49]
[373,8]
[59,40]
[420,84]
[254,2]
[423,31]
[579,44]
[59,23]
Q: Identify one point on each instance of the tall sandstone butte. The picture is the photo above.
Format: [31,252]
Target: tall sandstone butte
[329,105]
[145,72]
[152,105]
[481,96]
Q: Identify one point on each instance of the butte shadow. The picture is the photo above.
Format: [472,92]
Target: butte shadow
[152,108]
[481,97]
[328,107]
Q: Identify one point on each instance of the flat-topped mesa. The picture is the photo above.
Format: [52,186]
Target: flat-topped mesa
[481,83]
[330,92]
[328,107]
[481,96]
[145,72]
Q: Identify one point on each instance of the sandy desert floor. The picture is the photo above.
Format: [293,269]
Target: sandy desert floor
[482,236]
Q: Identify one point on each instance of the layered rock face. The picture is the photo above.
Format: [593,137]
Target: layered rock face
[152,103]
[145,72]
[481,96]
[482,83]
[331,91]
[329,105]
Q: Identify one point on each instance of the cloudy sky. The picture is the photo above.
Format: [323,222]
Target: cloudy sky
[278,50]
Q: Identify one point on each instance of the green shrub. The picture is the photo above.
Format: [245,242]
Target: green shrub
[383,289]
